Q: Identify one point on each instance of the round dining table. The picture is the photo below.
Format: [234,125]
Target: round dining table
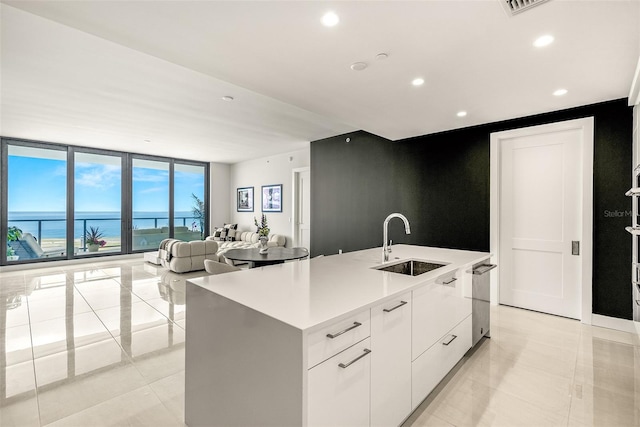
[275,255]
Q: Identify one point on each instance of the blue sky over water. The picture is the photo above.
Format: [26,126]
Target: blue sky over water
[39,185]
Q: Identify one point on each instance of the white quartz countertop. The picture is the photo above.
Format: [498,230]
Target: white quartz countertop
[308,294]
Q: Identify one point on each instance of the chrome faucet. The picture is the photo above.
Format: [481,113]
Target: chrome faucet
[386,247]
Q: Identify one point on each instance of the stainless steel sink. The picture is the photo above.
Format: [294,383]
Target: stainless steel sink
[411,267]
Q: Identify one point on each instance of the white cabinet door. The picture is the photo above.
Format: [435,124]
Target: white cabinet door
[429,369]
[391,361]
[338,388]
[437,307]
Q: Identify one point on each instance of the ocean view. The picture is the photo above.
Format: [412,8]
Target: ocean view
[53,224]
[38,204]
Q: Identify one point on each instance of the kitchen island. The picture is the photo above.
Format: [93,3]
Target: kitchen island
[326,341]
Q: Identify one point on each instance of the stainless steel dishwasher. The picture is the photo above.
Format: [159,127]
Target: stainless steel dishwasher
[480,304]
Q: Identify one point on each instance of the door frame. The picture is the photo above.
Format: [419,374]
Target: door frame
[295,199]
[586,126]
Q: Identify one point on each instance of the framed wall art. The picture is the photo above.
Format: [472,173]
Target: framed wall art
[272,198]
[245,199]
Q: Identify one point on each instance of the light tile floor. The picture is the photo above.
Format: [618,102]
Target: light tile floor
[102,344]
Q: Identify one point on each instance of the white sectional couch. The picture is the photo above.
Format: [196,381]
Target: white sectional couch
[246,240]
[182,257]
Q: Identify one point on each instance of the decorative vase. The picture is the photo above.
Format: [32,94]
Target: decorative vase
[92,247]
[263,244]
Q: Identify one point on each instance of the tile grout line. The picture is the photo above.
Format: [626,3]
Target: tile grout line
[104,325]
[110,334]
[33,357]
[129,357]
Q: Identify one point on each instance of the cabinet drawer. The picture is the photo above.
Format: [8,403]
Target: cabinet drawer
[437,307]
[339,389]
[434,364]
[328,341]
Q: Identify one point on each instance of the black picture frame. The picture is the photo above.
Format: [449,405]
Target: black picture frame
[245,199]
[272,198]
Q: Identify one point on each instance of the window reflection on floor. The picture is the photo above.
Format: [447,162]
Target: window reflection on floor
[89,334]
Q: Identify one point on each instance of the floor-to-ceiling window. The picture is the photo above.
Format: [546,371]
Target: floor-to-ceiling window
[63,202]
[188,201]
[36,203]
[150,195]
[97,203]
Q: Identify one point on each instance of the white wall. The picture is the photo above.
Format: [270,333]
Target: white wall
[267,171]
[220,189]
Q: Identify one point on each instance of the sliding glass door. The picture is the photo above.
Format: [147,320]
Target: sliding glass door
[150,201]
[188,202]
[97,203]
[36,203]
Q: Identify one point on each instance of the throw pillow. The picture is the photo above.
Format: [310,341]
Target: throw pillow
[217,235]
[231,231]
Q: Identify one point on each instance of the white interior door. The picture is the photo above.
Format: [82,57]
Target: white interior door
[540,217]
[302,208]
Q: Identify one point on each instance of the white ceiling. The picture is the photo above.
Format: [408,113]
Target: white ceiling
[113,74]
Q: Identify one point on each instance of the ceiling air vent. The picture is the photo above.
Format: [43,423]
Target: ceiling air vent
[513,7]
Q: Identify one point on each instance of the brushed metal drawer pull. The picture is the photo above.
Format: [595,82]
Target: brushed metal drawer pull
[337,334]
[389,310]
[346,365]
[451,340]
[483,268]
[453,279]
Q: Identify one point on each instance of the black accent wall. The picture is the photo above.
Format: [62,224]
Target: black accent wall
[441,183]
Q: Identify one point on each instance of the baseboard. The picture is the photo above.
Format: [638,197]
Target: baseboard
[623,325]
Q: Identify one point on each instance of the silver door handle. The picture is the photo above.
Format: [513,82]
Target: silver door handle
[337,334]
[575,247]
[483,268]
[346,365]
[453,337]
[389,310]
[453,279]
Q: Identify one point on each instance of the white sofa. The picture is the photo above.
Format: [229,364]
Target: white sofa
[182,257]
[246,240]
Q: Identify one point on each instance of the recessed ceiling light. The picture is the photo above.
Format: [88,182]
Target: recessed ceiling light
[461,113]
[330,19]
[417,82]
[382,56]
[227,98]
[560,92]
[147,141]
[542,41]
[359,66]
